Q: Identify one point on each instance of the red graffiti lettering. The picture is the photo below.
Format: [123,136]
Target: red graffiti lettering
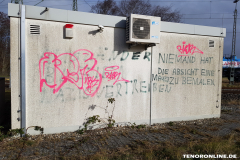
[111,74]
[63,71]
[185,50]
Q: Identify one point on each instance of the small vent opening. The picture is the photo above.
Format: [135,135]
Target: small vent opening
[127,28]
[211,43]
[34,29]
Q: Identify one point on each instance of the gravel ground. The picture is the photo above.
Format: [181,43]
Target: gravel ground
[71,143]
[230,96]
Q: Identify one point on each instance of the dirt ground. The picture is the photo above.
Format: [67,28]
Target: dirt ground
[56,146]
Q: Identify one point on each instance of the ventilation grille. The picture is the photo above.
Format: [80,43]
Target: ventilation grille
[141,28]
[127,28]
[34,29]
[211,43]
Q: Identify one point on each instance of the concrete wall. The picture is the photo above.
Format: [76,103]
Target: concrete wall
[15,71]
[186,82]
[69,80]
[73,101]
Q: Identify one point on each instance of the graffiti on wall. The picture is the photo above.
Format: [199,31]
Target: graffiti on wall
[57,70]
[112,74]
[123,55]
[68,68]
[81,77]
[188,49]
[184,76]
[120,89]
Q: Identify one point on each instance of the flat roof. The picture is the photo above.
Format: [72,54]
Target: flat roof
[60,15]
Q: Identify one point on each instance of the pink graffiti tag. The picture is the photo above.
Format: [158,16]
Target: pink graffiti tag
[111,74]
[82,78]
[188,49]
[91,82]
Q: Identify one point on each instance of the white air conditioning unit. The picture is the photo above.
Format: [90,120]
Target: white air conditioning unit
[143,29]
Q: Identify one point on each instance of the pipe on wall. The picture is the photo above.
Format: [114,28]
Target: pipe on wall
[151,88]
[22,69]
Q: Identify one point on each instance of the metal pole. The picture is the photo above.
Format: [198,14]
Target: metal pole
[75,6]
[233,45]
[17,1]
[151,88]
[23,69]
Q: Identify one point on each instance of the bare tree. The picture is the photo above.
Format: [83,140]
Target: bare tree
[108,7]
[4,43]
[127,7]
[166,13]
[143,7]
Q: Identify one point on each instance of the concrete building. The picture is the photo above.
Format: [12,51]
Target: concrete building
[70,79]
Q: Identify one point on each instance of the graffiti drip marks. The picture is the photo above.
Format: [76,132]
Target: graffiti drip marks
[185,50]
[67,69]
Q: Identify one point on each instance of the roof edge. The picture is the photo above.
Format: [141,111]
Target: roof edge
[68,16]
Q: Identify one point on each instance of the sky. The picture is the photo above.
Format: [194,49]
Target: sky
[215,13]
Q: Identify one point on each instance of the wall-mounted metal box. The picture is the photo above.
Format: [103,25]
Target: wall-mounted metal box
[143,29]
[68,31]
